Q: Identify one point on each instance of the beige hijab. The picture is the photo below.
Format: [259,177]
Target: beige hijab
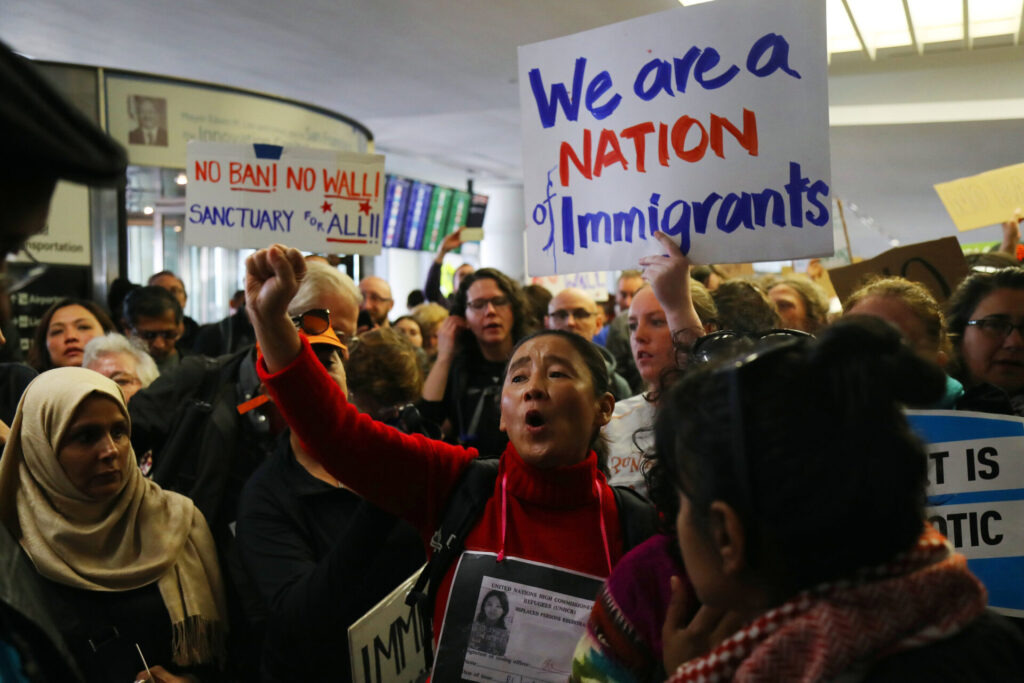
[141,535]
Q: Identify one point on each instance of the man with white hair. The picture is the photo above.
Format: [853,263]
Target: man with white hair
[573,310]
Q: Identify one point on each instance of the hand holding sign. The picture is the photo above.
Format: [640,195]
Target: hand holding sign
[272,278]
[669,276]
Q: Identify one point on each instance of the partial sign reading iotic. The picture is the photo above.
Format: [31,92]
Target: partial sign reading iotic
[976,495]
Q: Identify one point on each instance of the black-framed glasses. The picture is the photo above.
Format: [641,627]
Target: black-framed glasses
[153,335]
[481,304]
[561,315]
[314,321]
[724,343]
[997,326]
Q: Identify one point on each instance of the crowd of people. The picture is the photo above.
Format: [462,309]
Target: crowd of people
[720,466]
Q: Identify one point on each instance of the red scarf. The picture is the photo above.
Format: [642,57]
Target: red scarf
[923,595]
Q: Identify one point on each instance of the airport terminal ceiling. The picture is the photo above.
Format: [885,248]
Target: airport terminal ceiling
[437,80]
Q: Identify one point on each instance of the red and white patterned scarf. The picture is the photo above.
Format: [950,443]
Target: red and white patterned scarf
[923,595]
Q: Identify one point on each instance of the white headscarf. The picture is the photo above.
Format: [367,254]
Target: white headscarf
[139,536]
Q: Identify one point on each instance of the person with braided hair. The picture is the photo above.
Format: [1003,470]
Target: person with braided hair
[801,517]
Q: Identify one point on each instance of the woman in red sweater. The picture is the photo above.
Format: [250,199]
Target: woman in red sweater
[549,533]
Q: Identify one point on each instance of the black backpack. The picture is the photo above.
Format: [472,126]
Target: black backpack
[475,486]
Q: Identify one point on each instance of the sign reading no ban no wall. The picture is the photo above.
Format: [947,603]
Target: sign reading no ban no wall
[709,123]
[256,195]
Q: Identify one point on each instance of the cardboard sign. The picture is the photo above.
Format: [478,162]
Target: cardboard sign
[939,265]
[709,123]
[385,644]
[976,495]
[255,195]
[985,199]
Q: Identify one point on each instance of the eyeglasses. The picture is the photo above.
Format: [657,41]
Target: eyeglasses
[997,326]
[729,342]
[153,335]
[561,315]
[316,321]
[376,298]
[481,304]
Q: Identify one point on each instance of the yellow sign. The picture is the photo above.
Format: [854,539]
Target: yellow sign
[985,199]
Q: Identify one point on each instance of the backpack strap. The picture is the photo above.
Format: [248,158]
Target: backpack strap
[466,503]
[637,517]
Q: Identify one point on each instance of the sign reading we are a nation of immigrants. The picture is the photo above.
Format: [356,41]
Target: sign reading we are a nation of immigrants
[253,195]
[708,123]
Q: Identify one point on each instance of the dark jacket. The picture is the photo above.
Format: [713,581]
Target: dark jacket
[26,621]
[321,557]
[988,649]
[203,448]
[617,385]
[470,404]
[618,343]
[432,288]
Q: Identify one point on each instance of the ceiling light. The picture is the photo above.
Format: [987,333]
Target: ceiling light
[841,35]
[148,210]
[181,179]
[177,228]
[882,23]
[687,3]
[937,21]
[993,17]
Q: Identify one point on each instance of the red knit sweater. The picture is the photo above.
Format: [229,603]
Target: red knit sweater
[552,514]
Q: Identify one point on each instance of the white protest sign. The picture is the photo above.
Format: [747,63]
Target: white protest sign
[385,644]
[255,195]
[594,284]
[976,495]
[709,123]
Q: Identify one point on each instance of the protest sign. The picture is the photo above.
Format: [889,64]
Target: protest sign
[976,495]
[538,614]
[386,644]
[985,199]
[709,123]
[939,265]
[255,195]
[594,284]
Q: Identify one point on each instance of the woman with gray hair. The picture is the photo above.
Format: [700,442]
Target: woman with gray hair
[115,357]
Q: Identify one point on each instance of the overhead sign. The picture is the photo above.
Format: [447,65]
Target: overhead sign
[65,238]
[709,123]
[939,265]
[256,195]
[985,199]
[976,495]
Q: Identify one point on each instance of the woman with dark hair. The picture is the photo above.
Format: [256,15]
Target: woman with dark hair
[801,515]
[62,333]
[549,512]
[985,316]
[489,633]
[488,316]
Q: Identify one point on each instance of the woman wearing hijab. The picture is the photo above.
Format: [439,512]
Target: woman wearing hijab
[124,563]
